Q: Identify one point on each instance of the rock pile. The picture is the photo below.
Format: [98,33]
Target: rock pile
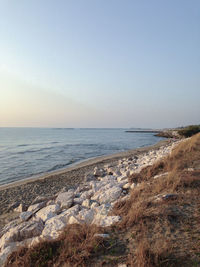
[90,203]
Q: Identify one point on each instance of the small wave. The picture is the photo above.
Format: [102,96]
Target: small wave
[58,166]
[81,145]
[22,145]
[34,151]
[27,151]
[61,166]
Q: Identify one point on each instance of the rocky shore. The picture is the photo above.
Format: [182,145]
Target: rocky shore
[26,191]
[44,208]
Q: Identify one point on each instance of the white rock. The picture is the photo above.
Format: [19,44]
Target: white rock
[86,216]
[34,241]
[78,200]
[133,185]
[86,194]
[132,171]
[86,203]
[122,183]
[65,199]
[102,235]
[23,231]
[35,207]
[160,175]
[48,212]
[108,195]
[53,227]
[61,219]
[106,183]
[122,178]
[50,202]
[74,220]
[94,205]
[102,209]
[9,226]
[65,215]
[24,216]
[117,173]
[94,186]
[126,186]
[77,191]
[20,208]
[105,221]
[39,199]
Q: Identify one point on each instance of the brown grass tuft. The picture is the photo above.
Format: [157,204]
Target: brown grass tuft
[73,248]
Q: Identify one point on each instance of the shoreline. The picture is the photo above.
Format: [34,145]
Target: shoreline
[85,163]
[48,185]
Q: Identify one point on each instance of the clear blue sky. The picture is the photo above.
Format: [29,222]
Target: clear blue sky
[99,63]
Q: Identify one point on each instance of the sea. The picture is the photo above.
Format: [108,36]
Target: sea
[28,152]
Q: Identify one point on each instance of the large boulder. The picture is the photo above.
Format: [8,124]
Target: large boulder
[24,216]
[102,209]
[105,221]
[48,212]
[53,227]
[74,220]
[65,199]
[86,194]
[8,226]
[56,224]
[66,214]
[35,207]
[107,195]
[86,216]
[23,231]
[39,199]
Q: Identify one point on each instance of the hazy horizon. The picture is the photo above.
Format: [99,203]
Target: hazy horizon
[99,64]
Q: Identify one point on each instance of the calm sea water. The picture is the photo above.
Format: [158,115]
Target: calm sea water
[25,152]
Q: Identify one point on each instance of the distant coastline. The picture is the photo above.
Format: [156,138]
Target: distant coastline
[143,131]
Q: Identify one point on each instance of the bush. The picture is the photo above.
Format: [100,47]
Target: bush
[189,131]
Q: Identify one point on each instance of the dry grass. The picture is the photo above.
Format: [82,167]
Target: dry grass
[174,222]
[185,155]
[72,248]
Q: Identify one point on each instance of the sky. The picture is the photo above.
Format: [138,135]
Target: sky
[99,63]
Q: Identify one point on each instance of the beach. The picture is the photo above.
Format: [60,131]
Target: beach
[25,191]
[95,194]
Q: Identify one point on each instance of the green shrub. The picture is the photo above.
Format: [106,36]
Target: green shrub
[189,130]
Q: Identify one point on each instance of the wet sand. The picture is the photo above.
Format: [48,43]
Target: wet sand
[25,191]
